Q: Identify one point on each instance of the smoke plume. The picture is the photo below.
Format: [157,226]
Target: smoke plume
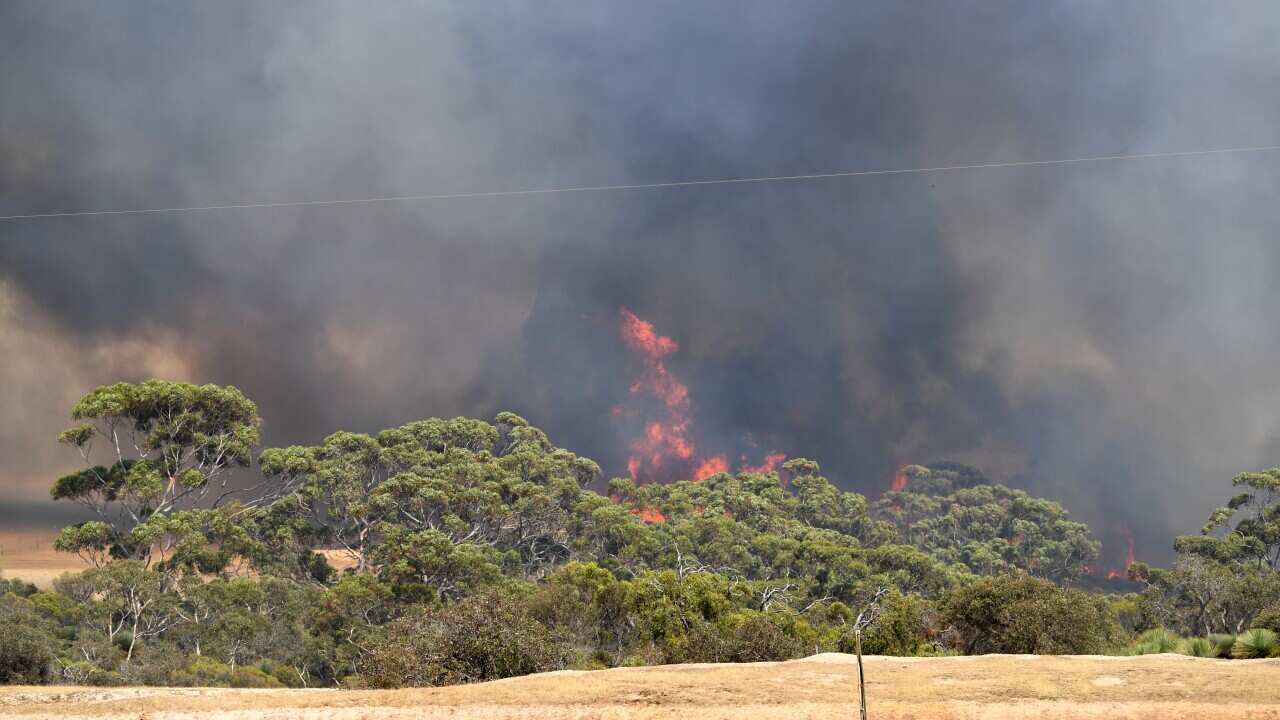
[1099,333]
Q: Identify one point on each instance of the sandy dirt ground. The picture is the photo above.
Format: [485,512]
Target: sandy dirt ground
[998,687]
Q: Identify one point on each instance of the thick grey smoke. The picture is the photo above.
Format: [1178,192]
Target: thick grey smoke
[1098,333]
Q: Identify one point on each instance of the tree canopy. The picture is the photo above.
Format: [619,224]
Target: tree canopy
[384,558]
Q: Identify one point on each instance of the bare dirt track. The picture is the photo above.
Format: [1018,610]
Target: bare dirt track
[1000,687]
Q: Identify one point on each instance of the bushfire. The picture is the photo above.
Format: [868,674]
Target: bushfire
[665,449]
[1116,573]
[899,480]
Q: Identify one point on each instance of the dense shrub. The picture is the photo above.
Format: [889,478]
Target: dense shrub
[1268,619]
[17,587]
[25,649]
[904,627]
[482,637]
[24,655]
[207,672]
[1020,614]
[760,638]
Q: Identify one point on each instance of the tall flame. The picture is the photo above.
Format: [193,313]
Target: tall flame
[899,480]
[667,437]
[666,449]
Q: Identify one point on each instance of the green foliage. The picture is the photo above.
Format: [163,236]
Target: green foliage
[1222,643]
[1199,647]
[1154,642]
[477,550]
[17,587]
[1256,643]
[484,637]
[207,672]
[747,637]
[953,512]
[169,445]
[1268,619]
[905,627]
[25,647]
[1255,536]
[1229,574]
[1020,614]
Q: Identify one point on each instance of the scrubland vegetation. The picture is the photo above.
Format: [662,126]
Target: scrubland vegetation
[474,550]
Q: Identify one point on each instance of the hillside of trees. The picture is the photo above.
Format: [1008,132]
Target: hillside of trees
[457,550]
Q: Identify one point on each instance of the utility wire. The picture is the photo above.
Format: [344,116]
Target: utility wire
[644,186]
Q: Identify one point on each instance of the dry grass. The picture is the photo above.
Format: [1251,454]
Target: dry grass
[1000,687]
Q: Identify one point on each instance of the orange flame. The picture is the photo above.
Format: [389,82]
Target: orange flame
[899,480]
[771,463]
[713,465]
[667,437]
[666,447]
[649,515]
[1115,573]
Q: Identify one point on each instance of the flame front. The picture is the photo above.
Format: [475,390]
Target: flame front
[666,439]
[1128,556]
[899,480]
[771,463]
[666,449]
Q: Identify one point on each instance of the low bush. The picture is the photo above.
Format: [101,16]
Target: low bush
[1199,647]
[759,639]
[1021,614]
[482,637]
[24,655]
[25,643]
[1255,643]
[1153,642]
[1268,619]
[17,587]
[1223,642]
[904,627]
[207,672]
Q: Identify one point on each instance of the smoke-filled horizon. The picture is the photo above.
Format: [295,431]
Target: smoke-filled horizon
[1099,334]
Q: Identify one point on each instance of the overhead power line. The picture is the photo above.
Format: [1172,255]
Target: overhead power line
[642,186]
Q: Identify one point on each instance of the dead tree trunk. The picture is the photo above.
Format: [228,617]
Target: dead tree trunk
[862,683]
[864,619]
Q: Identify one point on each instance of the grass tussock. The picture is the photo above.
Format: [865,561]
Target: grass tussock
[1199,647]
[1256,643]
[1153,642]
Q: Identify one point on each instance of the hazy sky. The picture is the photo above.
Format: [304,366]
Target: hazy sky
[1102,334]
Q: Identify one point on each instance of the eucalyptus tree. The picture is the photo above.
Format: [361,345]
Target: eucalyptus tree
[159,458]
[1247,528]
[1228,573]
[953,513]
[332,503]
[432,502]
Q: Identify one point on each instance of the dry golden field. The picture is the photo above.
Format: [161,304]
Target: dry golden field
[29,555]
[998,687]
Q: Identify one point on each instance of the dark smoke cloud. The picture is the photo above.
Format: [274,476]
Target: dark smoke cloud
[1097,333]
